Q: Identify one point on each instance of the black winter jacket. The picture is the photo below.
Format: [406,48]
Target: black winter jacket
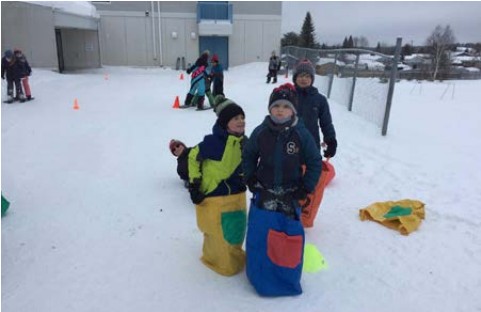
[313,109]
[274,156]
[22,67]
[183,164]
[8,68]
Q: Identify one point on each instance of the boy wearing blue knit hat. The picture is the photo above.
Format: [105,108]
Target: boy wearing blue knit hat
[272,161]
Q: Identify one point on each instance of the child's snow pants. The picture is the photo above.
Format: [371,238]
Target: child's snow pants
[222,219]
[274,247]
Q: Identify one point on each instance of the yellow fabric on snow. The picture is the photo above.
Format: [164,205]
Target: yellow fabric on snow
[222,219]
[405,224]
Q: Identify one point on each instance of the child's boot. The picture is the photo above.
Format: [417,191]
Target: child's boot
[188,100]
[200,103]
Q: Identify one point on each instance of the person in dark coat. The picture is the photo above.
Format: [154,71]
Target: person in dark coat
[217,76]
[10,71]
[274,66]
[23,71]
[313,109]
[272,161]
[197,82]
[179,150]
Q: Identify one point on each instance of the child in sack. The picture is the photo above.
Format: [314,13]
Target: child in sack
[272,162]
[313,109]
[217,190]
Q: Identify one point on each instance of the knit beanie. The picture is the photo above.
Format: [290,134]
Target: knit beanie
[215,58]
[8,54]
[284,94]
[225,110]
[304,66]
[173,144]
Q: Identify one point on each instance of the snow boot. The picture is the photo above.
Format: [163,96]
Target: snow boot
[187,102]
[200,102]
[10,99]
[22,98]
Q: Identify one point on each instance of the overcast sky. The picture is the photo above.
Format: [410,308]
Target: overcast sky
[384,21]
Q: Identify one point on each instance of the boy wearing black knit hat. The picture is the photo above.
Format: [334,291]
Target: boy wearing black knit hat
[272,161]
[313,109]
[218,191]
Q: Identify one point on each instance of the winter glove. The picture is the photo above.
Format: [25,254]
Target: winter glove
[331,148]
[195,193]
[300,193]
[253,184]
[189,70]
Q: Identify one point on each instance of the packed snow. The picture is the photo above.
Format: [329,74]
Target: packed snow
[100,221]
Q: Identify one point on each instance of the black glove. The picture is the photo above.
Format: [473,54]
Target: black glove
[300,193]
[331,148]
[253,184]
[195,193]
[188,71]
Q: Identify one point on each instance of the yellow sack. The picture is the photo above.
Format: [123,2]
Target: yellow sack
[404,215]
[223,221]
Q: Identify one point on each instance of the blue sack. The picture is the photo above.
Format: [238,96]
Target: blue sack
[274,250]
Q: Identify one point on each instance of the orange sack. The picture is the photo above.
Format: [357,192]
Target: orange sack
[313,201]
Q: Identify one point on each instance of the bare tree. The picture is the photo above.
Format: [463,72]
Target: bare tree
[439,41]
[360,42]
[363,42]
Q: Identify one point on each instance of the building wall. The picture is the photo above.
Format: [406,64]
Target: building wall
[127,39]
[80,49]
[30,28]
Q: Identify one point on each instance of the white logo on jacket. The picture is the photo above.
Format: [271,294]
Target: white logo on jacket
[291,148]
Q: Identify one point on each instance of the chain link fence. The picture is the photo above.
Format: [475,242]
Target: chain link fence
[361,80]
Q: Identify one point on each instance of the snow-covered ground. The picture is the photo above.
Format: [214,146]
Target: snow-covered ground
[100,221]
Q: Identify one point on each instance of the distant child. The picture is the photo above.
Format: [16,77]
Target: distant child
[274,66]
[9,67]
[197,81]
[179,150]
[218,191]
[313,109]
[23,70]
[272,160]
[217,76]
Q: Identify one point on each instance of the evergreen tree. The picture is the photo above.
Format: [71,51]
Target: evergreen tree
[290,39]
[350,42]
[307,39]
[344,43]
[407,49]
[378,47]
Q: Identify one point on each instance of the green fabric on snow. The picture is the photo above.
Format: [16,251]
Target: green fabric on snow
[397,211]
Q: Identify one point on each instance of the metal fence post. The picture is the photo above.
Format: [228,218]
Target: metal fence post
[351,98]
[331,78]
[392,82]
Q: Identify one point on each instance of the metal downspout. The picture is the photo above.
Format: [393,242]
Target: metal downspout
[153,29]
[160,35]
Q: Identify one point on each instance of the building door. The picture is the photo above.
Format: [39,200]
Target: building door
[58,39]
[216,45]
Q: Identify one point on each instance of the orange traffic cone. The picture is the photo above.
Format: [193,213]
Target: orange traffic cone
[75,104]
[181,76]
[176,102]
